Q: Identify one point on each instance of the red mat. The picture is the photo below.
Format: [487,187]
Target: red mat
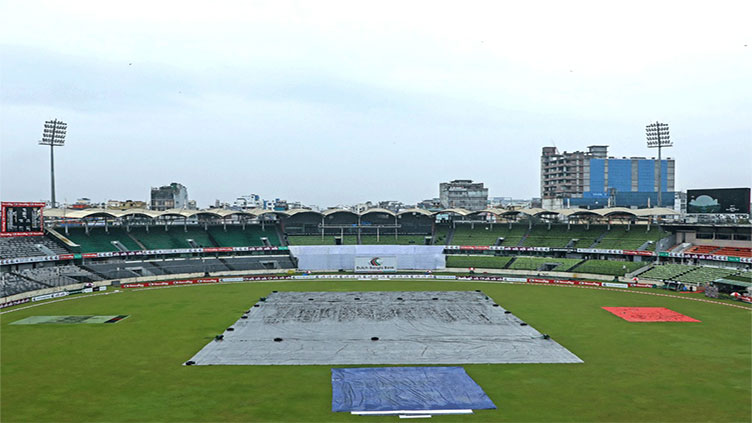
[649,314]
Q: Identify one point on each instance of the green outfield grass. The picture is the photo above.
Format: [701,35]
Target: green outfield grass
[131,371]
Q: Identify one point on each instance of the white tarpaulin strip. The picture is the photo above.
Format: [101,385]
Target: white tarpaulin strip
[409,412]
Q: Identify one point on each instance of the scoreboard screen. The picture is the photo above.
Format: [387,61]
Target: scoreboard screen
[720,200]
[21,219]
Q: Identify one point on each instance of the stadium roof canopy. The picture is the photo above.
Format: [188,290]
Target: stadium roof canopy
[253,213]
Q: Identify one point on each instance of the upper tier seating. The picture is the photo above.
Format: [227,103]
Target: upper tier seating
[29,246]
[173,237]
[702,249]
[558,236]
[734,251]
[487,234]
[622,239]
[236,236]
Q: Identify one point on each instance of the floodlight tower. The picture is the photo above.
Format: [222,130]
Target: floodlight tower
[658,137]
[54,136]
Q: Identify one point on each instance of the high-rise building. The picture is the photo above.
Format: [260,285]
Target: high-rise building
[463,193]
[173,196]
[592,179]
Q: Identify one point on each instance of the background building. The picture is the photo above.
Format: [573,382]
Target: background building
[125,205]
[592,179]
[173,196]
[463,193]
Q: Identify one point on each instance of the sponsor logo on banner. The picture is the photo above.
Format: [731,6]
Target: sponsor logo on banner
[231,279]
[446,277]
[641,285]
[15,302]
[615,285]
[515,279]
[378,264]
[48,296]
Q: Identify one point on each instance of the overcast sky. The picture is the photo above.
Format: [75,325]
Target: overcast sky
[342,102]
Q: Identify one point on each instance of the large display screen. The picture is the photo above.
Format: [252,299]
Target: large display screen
[21,219]
[721,200]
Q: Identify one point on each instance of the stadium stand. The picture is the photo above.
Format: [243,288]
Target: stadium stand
[317,240]
[608,267]
[58,275]
[702,249]
[11,284]
[29,246]
[558,236]
[131,269]
[177,236]
[634,238]
[705,275]
[543,263]
[481,262]
[734,251]
[390,239]
[487,234]
[441,235]
[238,237]
[668,271]
[98,240]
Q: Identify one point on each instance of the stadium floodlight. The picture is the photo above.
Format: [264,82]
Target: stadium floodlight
[54,136]
[658,137]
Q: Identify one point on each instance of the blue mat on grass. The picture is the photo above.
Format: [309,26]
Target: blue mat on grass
[406,388]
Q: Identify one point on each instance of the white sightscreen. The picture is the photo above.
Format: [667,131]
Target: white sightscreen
[335,257]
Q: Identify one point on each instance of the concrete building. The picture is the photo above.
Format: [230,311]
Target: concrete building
[125,205]
[594,180]
[173,196]
[463,193]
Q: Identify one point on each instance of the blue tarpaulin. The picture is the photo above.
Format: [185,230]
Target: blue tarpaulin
[406,388]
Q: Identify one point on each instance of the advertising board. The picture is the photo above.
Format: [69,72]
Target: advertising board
[379,264]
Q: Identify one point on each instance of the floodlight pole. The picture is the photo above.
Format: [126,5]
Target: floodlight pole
[53,135]
[658,136]
[52,170]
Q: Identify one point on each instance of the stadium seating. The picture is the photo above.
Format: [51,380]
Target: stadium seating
[29,246]
[236,236]
[608,267]
[734,251]
[705,274]
[175,237]
[122,269]
[59,275]
[318,240]
[558,236]
[481,262]
[485,234]
[702,249]
[620,238]
[441,234]
[11,284]
[99,240]
[539,263]
[391,240]
[667,271]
